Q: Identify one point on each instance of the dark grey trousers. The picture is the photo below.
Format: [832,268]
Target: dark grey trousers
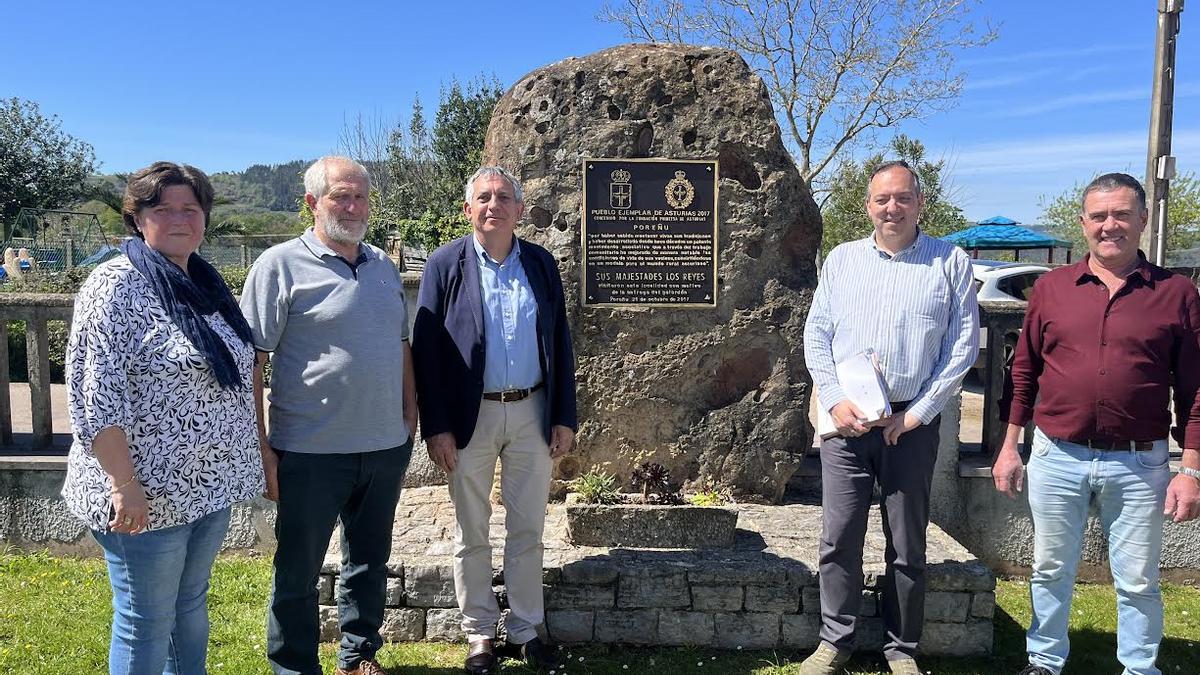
[850,468]
[315,491]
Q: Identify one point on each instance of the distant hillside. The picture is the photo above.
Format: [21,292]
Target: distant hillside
[273,187]
[263,199]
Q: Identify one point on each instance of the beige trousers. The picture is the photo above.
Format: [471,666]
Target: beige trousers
[511,432]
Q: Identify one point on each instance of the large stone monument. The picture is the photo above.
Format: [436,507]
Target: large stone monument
[719,392]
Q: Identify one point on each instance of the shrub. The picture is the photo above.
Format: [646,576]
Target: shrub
[235,277]
[68,281]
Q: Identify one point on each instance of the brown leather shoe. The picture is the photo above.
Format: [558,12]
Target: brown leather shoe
[481,658]
[364,667]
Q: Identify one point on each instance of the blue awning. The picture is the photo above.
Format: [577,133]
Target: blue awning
[998,220]
[996,236]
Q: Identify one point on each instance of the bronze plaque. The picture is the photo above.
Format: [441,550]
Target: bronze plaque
[649,233]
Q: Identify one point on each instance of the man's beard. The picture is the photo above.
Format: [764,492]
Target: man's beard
[349,233]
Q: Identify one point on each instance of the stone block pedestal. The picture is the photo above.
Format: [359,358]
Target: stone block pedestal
[762,593]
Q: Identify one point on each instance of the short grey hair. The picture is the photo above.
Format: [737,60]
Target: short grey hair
[491,171]
[316,177]
[895,164]
[1114,181]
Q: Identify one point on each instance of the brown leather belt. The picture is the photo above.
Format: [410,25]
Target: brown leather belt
[512,395]
[1118,446]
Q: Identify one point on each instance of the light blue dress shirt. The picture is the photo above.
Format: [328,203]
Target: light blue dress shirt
[916,309]
[510,316]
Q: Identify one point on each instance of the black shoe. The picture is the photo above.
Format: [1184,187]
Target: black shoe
[481,659]
[1035,670]
[539,655]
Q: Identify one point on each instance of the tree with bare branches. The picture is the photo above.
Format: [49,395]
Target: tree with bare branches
[367,139]
[837,70]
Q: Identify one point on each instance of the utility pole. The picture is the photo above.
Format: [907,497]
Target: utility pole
[1160,165]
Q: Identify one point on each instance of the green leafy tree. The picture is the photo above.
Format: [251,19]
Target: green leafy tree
[41,166]
[844,209]
[458,134]
[104,195]
[1060,215]
[304,213]
[411,168]
[430,230]
[111,222]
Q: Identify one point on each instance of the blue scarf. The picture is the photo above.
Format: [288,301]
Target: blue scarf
[188,299]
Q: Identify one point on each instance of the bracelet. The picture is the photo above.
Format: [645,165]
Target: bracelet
[1188,471]
[122,486]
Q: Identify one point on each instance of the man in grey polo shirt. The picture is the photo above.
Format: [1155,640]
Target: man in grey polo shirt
[330,310]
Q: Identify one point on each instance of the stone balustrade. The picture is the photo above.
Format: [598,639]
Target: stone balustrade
[36,310]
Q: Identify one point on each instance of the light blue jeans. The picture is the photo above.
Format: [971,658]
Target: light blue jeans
[1130,488]
[159,585]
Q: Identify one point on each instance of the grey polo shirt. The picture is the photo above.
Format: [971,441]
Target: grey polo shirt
[335,331]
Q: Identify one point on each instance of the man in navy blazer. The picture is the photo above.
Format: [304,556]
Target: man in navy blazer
[496,380]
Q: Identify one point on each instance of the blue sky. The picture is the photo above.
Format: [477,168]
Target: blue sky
[1062,94]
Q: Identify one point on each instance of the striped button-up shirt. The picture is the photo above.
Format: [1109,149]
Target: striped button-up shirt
[916,309]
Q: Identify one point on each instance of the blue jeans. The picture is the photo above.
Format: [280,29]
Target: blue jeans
[159,585]
[1130,488]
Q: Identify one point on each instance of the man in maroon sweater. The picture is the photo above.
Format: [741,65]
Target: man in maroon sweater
[1104,343]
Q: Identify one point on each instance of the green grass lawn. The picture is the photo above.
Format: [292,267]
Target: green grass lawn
[54,618]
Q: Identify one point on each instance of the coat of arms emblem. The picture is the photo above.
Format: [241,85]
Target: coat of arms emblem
[680,191]
[620,191]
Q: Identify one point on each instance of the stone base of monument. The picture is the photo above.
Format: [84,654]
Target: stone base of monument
[760,593]
[651,526]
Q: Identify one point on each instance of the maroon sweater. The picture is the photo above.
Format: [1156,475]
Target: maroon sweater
[1104,367]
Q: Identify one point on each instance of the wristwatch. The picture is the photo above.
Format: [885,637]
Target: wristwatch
[1188,471]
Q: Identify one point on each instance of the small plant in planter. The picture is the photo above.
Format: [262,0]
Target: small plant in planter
[655,481]
[709,495]
[661,518]
[597,487]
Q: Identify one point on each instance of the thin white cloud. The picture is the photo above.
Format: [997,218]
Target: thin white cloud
[1080,73]
[1051,54]
[1002,81]
[1084,153]
[1075,100]
[1143,93]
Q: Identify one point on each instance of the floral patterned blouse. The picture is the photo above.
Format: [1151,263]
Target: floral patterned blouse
[194,445]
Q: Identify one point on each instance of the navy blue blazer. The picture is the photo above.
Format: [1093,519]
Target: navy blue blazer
[448,340]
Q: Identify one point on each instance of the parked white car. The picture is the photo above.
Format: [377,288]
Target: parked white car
[999,280]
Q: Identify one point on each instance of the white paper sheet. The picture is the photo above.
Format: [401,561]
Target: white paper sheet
[862,381]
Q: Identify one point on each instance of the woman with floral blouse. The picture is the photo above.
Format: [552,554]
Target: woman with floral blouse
[164,432]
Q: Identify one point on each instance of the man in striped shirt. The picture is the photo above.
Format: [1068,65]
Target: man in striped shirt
[911,299]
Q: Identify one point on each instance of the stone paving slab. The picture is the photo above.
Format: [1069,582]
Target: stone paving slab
[771,540]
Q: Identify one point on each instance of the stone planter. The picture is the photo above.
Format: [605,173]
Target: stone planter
[650,526]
